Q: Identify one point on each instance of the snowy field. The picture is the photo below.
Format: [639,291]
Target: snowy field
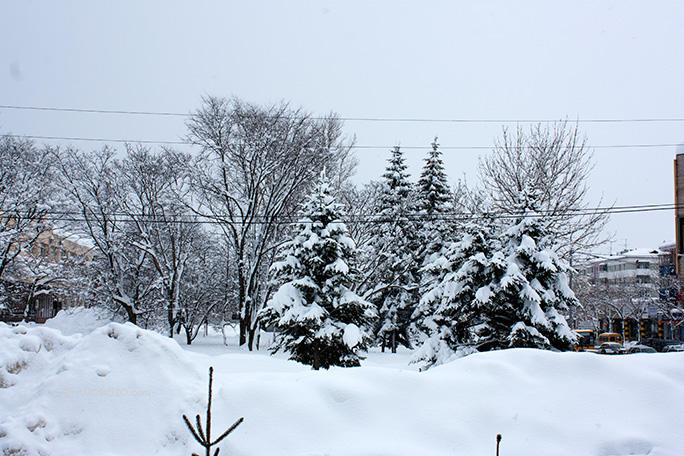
[81,386]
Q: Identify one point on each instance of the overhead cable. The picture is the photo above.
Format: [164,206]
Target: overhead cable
[211,219]
[350,119]
[366,147]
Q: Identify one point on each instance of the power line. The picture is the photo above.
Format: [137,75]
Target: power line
[350,119]
[77,216]
[93,111]
[365,147]
[105,140]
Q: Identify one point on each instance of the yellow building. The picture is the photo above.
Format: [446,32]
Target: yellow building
[25,297]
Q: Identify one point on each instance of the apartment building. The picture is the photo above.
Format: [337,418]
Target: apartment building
[26,297]
[640,266]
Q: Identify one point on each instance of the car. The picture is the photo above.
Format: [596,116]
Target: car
[660,344]
[610,348]
[673,348]
[640,349]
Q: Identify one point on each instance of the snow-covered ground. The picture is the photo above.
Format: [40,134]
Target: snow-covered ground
[119,390]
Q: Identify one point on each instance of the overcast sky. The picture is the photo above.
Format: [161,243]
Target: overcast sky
[487,60]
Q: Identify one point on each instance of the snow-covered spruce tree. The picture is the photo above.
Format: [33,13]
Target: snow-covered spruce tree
[525,303]
[451,310]
[433,188]
[435,230]
[317,318]
[394,245]
[490,291]
[434,204]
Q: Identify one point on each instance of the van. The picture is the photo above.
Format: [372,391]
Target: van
[609,337]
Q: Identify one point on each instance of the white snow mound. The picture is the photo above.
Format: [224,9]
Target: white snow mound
[116,390]
[79,320]
[121,391]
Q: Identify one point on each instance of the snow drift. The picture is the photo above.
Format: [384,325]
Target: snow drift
[112,391]
[121,390]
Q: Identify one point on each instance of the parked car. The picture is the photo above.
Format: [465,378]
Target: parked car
[610,348]
[640,349]
[660,344]
[674,348]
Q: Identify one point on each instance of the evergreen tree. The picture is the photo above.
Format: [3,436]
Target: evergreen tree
[433,187]
[394,246]
[397,186]
[436,232]
[434,196]
[491,292]
[318,319]
[455,281]
[529,294]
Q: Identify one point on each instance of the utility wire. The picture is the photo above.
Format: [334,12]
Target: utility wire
[77,216]
[364,147]
[351,119]
[93,111]
[106,140]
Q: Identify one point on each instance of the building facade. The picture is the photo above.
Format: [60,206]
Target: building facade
[635,293]
[35,293]
[639,266]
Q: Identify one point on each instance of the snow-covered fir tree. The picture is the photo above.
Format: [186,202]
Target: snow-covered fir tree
[394,246]
[436,230]
[491,291]
[318,319]
[433,188]
[434,203]
[529,295]
[450,311]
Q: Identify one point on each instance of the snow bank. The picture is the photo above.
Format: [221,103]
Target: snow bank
[121,390]
[542,403]
[118,390]
[79,320]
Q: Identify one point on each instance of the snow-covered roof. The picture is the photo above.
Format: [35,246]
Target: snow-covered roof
[628,256]
[654,253]
[82,240]
[667,245]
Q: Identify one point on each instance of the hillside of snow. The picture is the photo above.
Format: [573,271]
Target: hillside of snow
[121,390]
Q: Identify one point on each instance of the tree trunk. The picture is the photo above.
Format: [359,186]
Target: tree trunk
[252,333]
[394,341]
[245,314]
[131,315]
[243,331]
[171,320]
[223,333]
[188,335]
[250,330]
[317,359]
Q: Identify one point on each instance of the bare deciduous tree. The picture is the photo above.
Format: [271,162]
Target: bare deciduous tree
[204,285]
[93,181]
[255,164]
[611,302]
[556,161]
[360,208]
[29,199]
[165,229]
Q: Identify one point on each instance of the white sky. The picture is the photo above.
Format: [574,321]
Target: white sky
[396,59]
